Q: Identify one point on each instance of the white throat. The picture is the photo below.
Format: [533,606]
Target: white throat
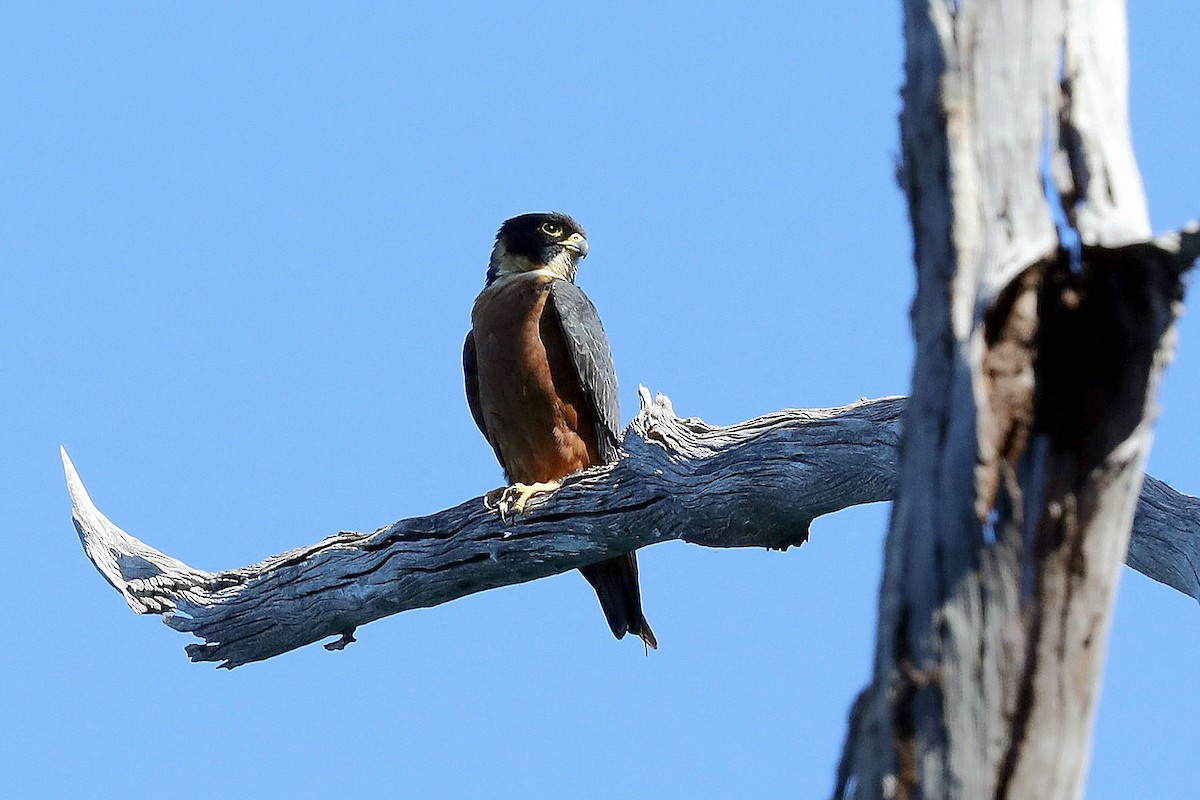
[503,264]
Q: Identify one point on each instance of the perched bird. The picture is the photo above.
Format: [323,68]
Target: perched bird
[541,384]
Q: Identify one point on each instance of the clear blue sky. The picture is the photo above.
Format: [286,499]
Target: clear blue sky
[240,248]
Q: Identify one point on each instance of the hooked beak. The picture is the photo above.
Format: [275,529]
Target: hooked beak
[576,244]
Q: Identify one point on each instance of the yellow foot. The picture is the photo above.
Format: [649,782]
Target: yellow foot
[511,500]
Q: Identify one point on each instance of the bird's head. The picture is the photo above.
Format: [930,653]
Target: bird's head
[552,242]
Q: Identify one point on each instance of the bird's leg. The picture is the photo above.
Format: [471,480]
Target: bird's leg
[512,499]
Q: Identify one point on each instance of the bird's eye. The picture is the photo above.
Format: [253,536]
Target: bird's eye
[552,229]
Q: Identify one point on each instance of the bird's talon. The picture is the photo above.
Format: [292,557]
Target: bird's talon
[510,501]
[492,500]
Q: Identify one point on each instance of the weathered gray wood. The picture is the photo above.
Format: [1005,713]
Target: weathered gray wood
[1166,537]
[758,483]
[1096,170]
[1032,406]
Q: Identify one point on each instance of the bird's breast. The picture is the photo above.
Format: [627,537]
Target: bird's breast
[534,409]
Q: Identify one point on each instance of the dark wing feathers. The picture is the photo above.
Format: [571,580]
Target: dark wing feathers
[471,378]
[588,347]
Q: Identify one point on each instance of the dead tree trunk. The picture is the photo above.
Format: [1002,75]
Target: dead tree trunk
[1038,358]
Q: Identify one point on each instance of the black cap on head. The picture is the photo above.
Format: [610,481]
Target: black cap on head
[538,241]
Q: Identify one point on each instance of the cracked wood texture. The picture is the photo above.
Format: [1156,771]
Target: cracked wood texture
[678,479]
[758,483]
[1032,407]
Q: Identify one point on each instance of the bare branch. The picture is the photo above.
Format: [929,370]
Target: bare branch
[758,483]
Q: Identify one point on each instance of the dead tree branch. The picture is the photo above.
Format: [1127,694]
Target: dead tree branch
[756,484]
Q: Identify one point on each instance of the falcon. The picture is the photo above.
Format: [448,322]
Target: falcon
[541,385]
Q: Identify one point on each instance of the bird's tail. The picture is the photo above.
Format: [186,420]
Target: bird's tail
[616,584]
